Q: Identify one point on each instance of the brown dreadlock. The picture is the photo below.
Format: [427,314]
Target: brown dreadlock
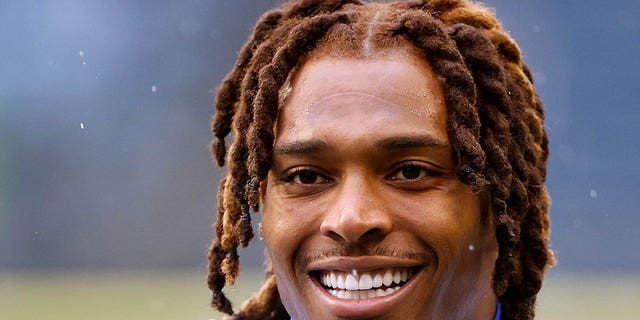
[495,124]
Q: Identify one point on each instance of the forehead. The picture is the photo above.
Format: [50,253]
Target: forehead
[405,78]
[400,94]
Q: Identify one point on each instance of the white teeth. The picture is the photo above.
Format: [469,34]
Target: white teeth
[377,281]
[334,281]
[363,285]
[351,283]
[397,276]
[349,294]
[361,295]
[365,282]
[387,279]
[340,282]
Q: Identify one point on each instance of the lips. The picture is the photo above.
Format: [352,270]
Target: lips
[364,285]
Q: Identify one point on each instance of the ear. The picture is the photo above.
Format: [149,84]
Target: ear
[488,215]
[263,189]
[487,219]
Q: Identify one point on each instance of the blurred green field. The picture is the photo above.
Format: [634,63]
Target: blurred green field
[183,295]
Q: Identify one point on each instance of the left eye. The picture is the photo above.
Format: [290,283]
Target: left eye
[409,172]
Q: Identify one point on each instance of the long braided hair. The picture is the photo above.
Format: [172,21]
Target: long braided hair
[495,124]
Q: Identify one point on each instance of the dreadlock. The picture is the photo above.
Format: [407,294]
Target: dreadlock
[495,124]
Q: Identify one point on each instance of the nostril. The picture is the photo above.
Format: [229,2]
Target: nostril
[369,235]
[372,232]
[356,222]
[335,236]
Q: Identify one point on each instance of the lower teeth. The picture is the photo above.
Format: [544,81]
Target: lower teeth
[361,294]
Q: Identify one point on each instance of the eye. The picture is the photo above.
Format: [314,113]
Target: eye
[409,172]
[306,176]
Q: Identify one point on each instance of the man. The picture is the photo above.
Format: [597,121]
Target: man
[399,155]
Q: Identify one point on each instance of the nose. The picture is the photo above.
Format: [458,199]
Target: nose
[358,213]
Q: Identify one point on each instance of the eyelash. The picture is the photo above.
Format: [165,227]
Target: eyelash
[425,172]
[289,177]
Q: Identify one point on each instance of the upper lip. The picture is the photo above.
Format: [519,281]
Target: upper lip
[362,263]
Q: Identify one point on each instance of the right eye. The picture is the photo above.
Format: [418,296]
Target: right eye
[306,176]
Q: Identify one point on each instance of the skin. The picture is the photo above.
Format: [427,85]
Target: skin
[363,178]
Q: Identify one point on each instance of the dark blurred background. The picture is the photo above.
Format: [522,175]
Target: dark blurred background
[104,128]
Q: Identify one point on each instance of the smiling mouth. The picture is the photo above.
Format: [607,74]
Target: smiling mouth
[364,285]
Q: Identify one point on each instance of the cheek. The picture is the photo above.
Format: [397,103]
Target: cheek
[469,239]
[449,224]
[273,226]
[284,232]
[285,225]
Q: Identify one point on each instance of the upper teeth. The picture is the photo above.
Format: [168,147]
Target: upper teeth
[364,280]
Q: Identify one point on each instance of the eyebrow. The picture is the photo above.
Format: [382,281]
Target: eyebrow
[391,143]
[300,147]
[407,142]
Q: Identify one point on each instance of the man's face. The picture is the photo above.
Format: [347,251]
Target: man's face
[364,217]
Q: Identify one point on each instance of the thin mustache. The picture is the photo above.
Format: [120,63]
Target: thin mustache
[425,256]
